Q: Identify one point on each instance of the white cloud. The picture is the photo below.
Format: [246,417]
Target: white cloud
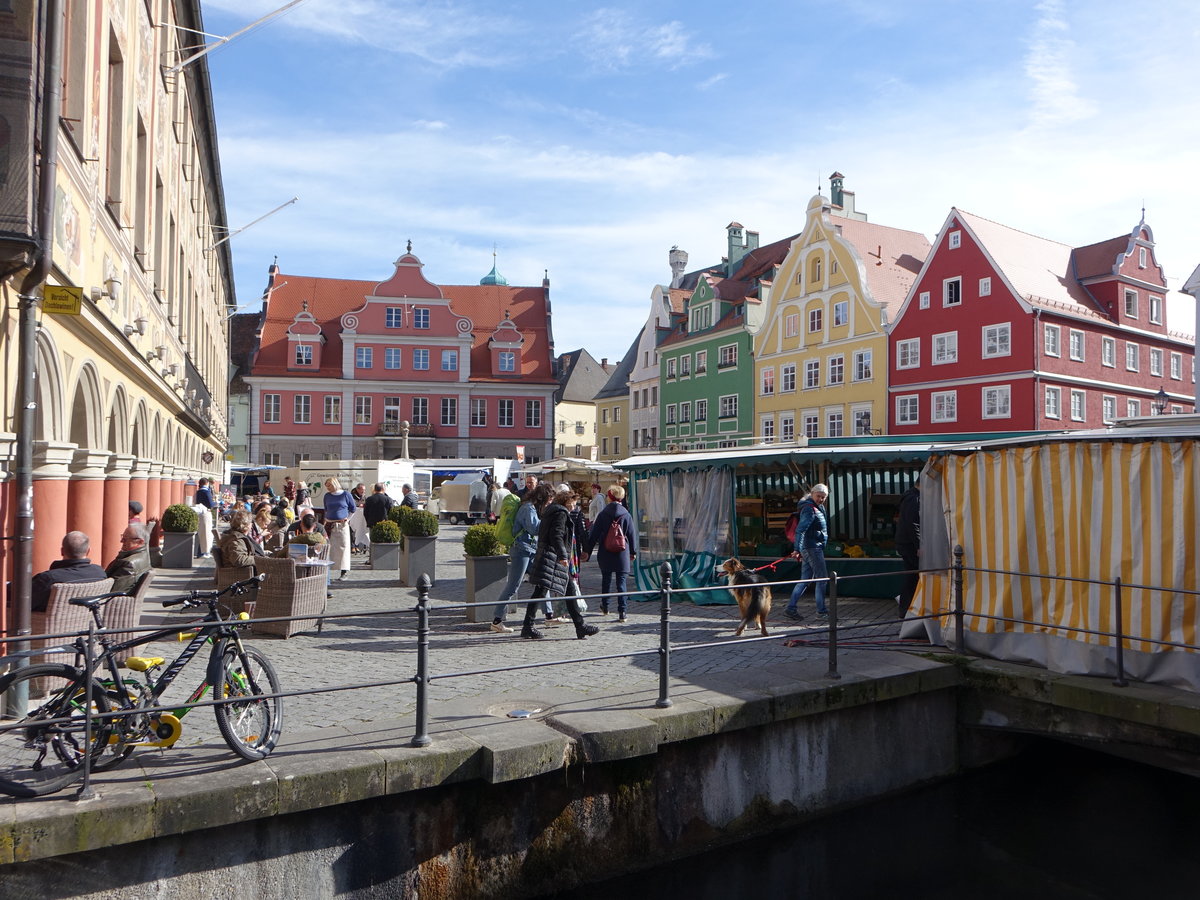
[712,81]
[614,39]
[1049,66]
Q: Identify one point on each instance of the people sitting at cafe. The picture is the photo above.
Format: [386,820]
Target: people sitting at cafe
[237,548]
[132,560]
[306,532]
[74,566]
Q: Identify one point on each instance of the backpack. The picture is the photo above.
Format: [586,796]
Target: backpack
[789,530]
[614,540]
[506,526]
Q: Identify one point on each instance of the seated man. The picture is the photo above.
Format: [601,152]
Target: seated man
[133,559]
[74,566]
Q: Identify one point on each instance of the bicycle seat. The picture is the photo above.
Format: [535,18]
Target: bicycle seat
[143,663]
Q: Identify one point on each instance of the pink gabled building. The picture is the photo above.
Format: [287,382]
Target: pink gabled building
[1005,331]
[340,364]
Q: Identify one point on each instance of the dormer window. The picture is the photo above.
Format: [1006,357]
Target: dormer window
[304,354]
[507,361]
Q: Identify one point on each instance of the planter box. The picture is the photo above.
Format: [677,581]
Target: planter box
[386,557]
[486,579]
[178,549]
[420,557]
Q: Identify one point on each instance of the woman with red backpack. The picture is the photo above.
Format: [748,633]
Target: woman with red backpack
[615,540]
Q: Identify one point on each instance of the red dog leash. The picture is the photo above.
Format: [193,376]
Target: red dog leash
[772,565]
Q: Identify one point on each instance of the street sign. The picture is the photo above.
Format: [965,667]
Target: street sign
[62,301]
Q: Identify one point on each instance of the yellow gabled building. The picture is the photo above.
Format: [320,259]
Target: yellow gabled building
[820,356]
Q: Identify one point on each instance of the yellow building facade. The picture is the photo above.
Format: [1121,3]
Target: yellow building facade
[820,356]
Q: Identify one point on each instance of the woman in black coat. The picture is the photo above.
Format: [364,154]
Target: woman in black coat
[550,570]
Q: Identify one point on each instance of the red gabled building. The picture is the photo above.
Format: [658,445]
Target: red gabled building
[340,364]
[1005,331]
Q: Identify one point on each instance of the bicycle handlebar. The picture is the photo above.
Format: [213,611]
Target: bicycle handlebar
[196,597]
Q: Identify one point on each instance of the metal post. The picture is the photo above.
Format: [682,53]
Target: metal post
[958,599]
[1120,680]
[85,791]
[831,605]
[664,640]
[422,738]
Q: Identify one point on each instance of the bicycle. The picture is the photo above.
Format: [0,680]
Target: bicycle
[44,742]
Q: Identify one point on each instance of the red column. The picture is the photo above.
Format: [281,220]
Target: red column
[51,485]
[85,499]
[116,503]
[154,489]
[139,487]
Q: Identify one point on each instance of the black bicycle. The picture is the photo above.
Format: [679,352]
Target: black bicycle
[44,709]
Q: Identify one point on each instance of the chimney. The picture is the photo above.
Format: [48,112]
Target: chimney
[835,189]
[678,260]
[604,362]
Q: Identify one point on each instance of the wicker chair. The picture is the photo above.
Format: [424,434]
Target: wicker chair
[60,617]
[283,594]
[227,575]
[127,613]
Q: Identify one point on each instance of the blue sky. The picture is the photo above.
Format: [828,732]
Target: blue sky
[588,139]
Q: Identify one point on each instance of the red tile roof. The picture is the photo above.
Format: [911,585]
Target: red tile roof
[892,258]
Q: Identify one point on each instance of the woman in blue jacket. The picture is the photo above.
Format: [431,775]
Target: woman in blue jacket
[615,565]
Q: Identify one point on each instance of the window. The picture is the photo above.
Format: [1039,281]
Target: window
[997,402]
[815,320]
[727,356]
[996,340]
[955,240]
[671,367]
[862,365]
[1053,403]
[1177,366]
[1077,344]
[815,269]
[1133,407]
[617,444]
[363,357]
[985,287]
[449,410]
[701,362]
[1109,406]
[394,317]
[420,411]
[923,300]
[1141,257]
[504,413]
[391,410]
[766,385]
[270,407]
[391,358]
[420,318]
[1050,337]
[302,409]
[812,374]
[701,410]
[685,412]
[533,413]
[862,421]
[1077,401]
[952,292]
[1108,351]
[1156,310]
[654,395]
[420,360]
[1131,304]
[449,360]
[670,413]
[362,410]
[767,429]
[507,361]
[1156,361]
[604,416]
[945,348]
[811,425]
[787,378]
[791,325]
[270,459]
[304,354]
[478,412]
[333,409]
[729,406]
[908,353]
[834,424]
[837,369]
[604,446]
[944,406]
[616,414]
[685,365]
[1131,356]
[787,426]
[841,313]
[908,410]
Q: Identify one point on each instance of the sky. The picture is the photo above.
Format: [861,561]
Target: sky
[587,140]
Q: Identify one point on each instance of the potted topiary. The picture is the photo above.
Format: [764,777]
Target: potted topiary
[385,546]
[487,569]
[420,530]
[179,523]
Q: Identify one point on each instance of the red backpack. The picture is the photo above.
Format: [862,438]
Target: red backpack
[614,540]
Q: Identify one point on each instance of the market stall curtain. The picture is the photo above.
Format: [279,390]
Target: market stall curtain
[686,521]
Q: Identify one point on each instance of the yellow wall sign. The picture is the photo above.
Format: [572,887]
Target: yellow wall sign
[62,301]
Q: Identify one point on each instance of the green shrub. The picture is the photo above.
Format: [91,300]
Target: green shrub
[397,514]
[179,518]
[418,523]
[481,540]
[385,532]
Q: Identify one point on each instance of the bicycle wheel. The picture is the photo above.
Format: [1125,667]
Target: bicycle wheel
[126,730]
[250,727]
[38,756]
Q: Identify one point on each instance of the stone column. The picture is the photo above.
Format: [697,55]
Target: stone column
[8,521]
[51,483]
[116,502]
[139,486]
[85,499]
[154,490]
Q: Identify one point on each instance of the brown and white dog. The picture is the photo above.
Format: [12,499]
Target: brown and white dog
[753,595]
